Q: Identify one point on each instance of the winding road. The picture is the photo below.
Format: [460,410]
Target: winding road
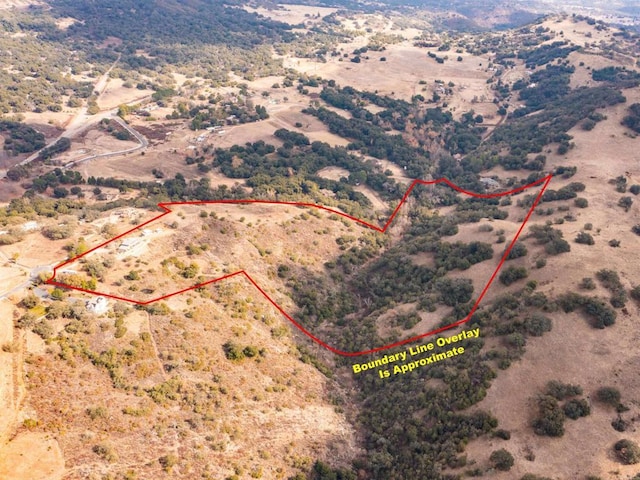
[83,120]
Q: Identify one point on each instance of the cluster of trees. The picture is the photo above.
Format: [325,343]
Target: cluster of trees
[565,193]
[459,137]
[611,281]
[269,169]
[211,116]
[60,146]
[208,38]
[115,129]
[176,188]
[551,415]
[459,255]
[233,351]
[632,119]
[43,63]
[395,115]
[20,138]
[544,54]
[560,110]
[199,23]
[600,314]
[551,238]
[618,76]
[373,140]
[54,179]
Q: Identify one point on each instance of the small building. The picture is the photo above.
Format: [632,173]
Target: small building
[98,305]
[128,243]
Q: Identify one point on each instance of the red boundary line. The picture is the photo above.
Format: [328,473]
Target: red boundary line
[165,206]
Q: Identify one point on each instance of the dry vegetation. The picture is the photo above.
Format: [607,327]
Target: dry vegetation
[210,383]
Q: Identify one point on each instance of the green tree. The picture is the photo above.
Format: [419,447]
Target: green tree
[625,202]
[609,395]
[550,419]
[501,460]
[627,451]
[512,274]
[584,238]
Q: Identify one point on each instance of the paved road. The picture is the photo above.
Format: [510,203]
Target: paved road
[144,143]
[83,120]
[32,278]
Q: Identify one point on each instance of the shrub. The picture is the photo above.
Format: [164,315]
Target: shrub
[611,281]
[625,202]
[250,351]
[537,324]
[60,192]
[168,461]
[602,315]
[105,452]
[608,395]
[587,283]
[619,425]
[501,460]
[233,351]
[58,233]
[636,229]
[614,243]
[584,238]
[43,329]
[25,321]
[627,451]
[512,274]
[560,390]
[29,301]
[581,202]
[550,421]
[96,412]
[557,246]
[132,275]
[503,434]
[576,408]
[635,189]
[588,124]
[518,250]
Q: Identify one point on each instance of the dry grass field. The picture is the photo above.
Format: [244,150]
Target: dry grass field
[159,392]
[574,352]
[294,14]
[219,240]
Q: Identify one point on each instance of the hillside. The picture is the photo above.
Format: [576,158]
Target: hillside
[343,109]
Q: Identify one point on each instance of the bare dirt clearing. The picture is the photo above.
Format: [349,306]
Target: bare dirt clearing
[43,462]
[294,14]
[116,94]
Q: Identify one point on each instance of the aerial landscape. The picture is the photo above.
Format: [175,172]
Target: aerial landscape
[320,240]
